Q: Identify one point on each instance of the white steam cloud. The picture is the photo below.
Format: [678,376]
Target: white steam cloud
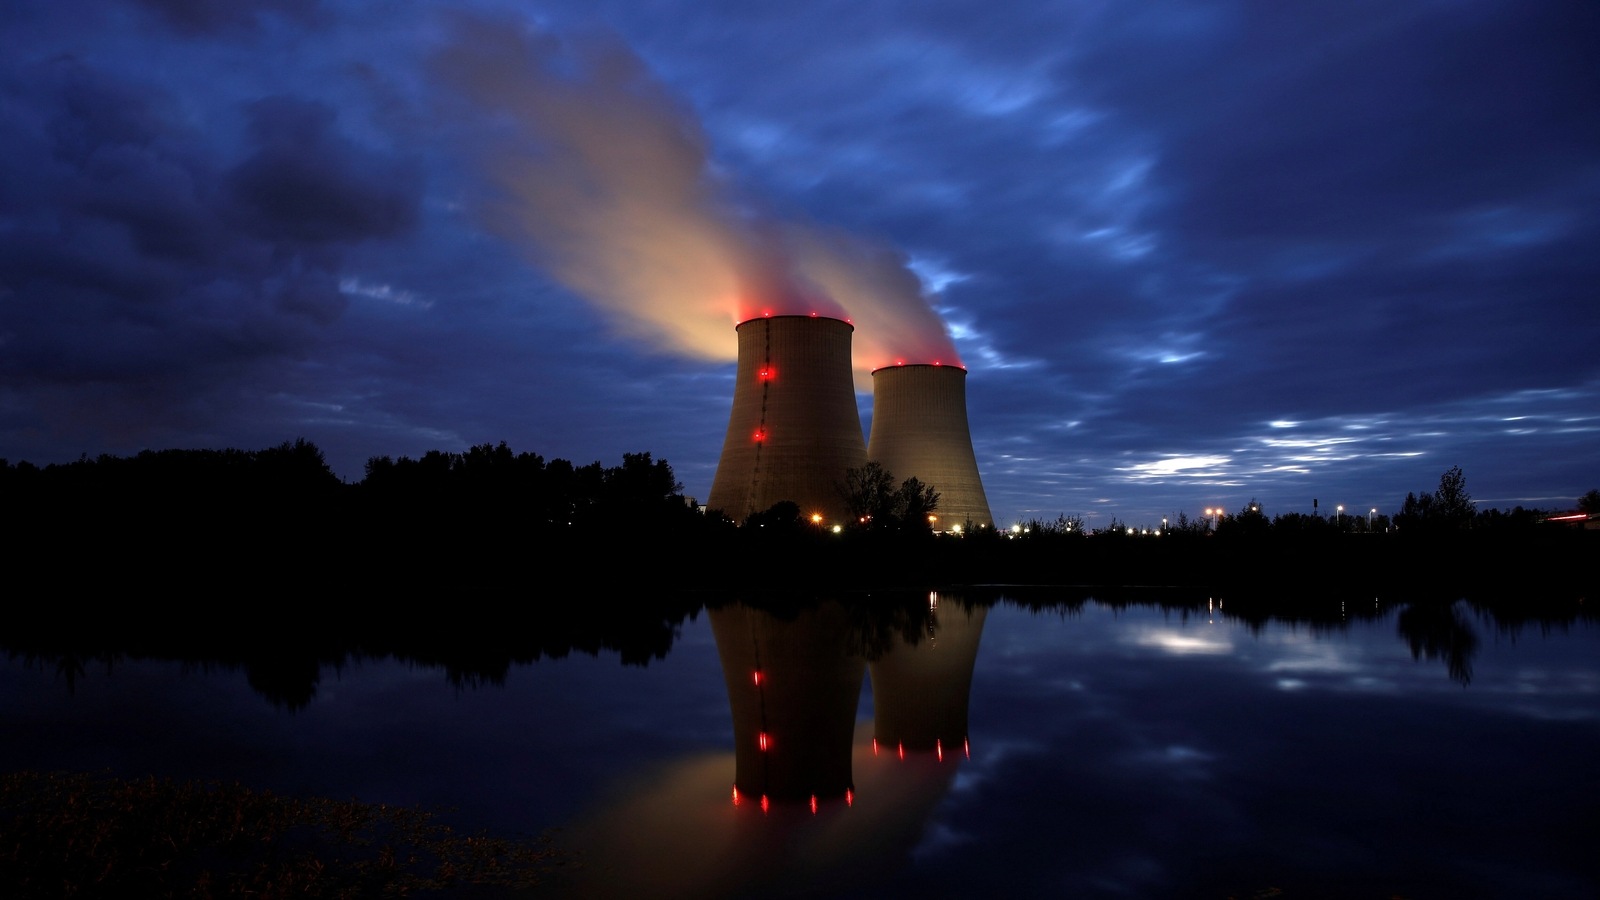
[604,179]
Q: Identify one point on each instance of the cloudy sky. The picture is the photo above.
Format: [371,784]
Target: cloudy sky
[1192,253]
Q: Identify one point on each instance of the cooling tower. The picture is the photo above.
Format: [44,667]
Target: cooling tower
[794,687]
[919,430]
[794,428]
[920,691]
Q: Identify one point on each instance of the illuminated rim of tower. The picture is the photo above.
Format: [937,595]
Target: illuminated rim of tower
[768,316]
[933,365]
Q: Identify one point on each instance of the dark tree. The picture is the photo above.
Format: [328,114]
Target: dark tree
[915,502]
[867,491]
[874,502]
[1248,521]
[1415,512]
[1452,505]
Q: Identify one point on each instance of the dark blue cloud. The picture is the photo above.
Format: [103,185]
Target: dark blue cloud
[1192,252]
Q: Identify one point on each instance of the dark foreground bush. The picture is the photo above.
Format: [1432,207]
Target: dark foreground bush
[76,835]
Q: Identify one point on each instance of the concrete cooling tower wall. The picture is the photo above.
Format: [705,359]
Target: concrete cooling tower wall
[919,429]
[794,428]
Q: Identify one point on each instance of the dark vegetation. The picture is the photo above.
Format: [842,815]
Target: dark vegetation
[489,521]
[92,836]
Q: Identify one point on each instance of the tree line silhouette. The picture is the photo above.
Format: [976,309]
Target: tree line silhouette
[490,517]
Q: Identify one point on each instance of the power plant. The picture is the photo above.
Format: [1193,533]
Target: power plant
[794,687]
[795,429]
[919,430]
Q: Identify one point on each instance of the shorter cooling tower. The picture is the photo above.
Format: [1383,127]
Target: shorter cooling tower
[794,428]
[919,430]
[920,692]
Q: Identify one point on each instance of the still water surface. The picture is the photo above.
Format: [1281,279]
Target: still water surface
[1093,751]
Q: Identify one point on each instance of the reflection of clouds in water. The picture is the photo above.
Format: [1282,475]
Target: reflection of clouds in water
[939,838]
[968,781]
[1548,695]
[1180,762]
[1177,753]
[1373,685]
[1318,658]
[1177,642]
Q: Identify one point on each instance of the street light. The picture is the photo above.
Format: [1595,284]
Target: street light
[1370,513]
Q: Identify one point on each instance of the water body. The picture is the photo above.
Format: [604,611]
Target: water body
[1081,750]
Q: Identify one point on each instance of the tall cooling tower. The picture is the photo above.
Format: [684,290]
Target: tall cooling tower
[794,688]
[794,429]
[919,430]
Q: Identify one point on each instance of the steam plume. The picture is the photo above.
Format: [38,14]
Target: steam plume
[604,179]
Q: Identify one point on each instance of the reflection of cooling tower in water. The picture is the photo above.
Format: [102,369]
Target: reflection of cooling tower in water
[794,428]
[920,691]
[793,687]
[919,430]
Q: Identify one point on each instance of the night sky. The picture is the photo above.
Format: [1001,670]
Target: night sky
[1192,253]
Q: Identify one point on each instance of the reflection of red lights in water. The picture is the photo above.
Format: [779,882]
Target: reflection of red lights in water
[758,677]
[761,740]
[966,747]
[874,746]
[902,750]
[814,801]
[938,748]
